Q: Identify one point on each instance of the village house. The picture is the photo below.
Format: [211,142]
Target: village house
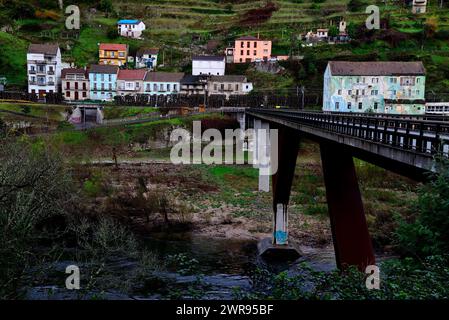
[162,83]
[112,53]
[208,65]
[419,6]
[249,49]
[43,68]
[131,28]
[382,87]
[103,82]
[75,84]
[130,82]
[147,58]
[193,85]
[228,85]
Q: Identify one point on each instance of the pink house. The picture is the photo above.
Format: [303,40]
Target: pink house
[250,49]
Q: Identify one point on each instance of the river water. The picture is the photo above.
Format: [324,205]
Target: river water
[196,267]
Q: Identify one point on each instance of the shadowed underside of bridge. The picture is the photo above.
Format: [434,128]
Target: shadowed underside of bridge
[404,146]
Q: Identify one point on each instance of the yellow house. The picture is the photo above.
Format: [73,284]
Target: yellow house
[113,54]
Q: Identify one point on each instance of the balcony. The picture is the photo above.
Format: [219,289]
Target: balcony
[32,71]
[50,83]
[50,72]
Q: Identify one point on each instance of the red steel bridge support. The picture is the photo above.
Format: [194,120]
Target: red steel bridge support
[352,242]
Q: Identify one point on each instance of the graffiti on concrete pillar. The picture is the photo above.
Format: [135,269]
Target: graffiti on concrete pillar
[280,234]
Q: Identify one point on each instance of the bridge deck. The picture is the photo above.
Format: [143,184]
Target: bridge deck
[405,144]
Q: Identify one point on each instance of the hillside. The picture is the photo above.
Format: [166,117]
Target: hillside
[182,28]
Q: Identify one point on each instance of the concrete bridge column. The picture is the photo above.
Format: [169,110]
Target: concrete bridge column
[288,147]
[352,242]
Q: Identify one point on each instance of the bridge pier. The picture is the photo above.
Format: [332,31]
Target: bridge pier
[280,247]
[352,242]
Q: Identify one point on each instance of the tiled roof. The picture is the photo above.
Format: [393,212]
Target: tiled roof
[143,51]
[125,74]
[67,71]
[228,78]
[190,79]
[208,58]
[164,76]
[103,68]
[113,46]
[50,49]
[248,38]
[132,21]
[376,68]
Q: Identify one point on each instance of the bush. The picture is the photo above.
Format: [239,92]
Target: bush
[428,233]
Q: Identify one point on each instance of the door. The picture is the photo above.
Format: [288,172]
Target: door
[42,93]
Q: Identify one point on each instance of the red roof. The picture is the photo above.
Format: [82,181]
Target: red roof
[113,46]
[128,74]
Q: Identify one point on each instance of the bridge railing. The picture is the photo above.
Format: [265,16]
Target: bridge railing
[427,137]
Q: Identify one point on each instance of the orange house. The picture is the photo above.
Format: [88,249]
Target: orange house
[113,54]
[250,49]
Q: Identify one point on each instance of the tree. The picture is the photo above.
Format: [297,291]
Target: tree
[333,31]
[428,233]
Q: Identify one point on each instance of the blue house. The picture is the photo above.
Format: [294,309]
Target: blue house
[103,82]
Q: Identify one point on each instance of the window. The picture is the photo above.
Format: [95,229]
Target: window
[242,45]
[349,105]
[229,86]
[417,92]
[222,86]
[110,78]
[154,87]
[417,80]
[102,77]
[112,54]
[255,44]
[236,87]
[375,80]
[215,87]
[265,50]
[148,87]
[137,85]
[161,87]
[67,94]
[175,87]
[241,53]
[357,92]
[375,105]
[84,94]
[374,92]
[67,85]
[337,105]
[360,105]
[76,85]
[168,87]
[121,54]
[248,44]
[339,92]
[349,92]
[363,92]
[247,52]
[255,52]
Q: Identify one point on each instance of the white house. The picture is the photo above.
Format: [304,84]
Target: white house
[162,83]
[131,28]
[419,6]
[208,65]
[147,58]
[43,68]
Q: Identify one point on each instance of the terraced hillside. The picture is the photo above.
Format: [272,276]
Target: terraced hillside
[181,28]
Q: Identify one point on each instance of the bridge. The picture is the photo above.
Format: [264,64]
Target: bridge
[405,144]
